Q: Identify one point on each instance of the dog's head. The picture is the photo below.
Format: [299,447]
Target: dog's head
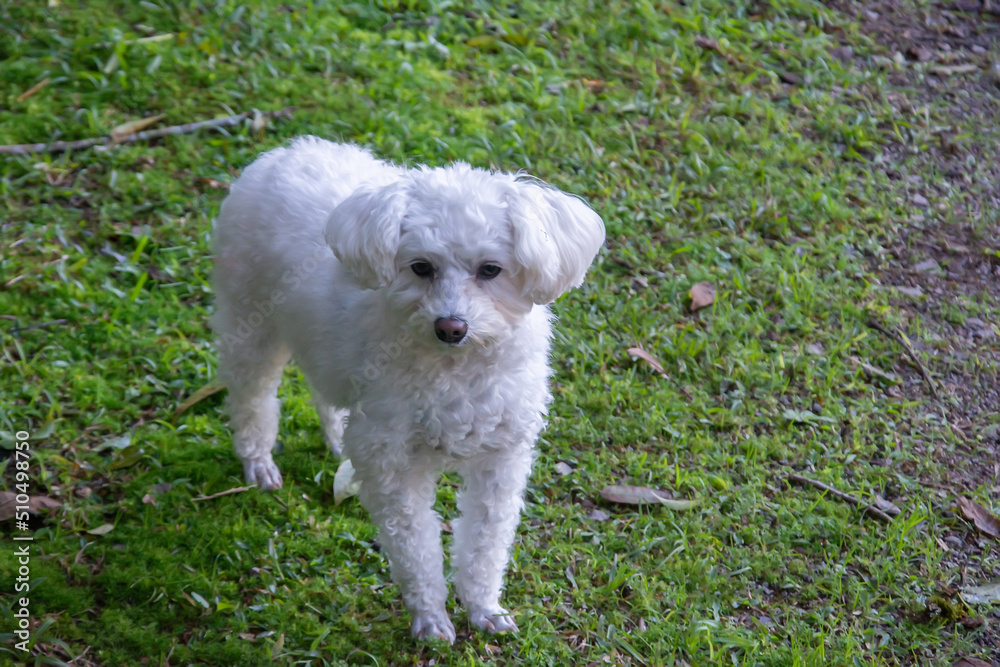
[465,253]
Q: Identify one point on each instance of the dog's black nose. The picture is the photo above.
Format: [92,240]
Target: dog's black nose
[450,329]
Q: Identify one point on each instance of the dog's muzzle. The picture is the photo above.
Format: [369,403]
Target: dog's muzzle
[450,330]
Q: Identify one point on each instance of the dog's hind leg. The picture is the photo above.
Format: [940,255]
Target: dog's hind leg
[250,367]
[490,504]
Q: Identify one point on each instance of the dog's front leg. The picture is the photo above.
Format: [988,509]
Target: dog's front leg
[490,503]
[401,502]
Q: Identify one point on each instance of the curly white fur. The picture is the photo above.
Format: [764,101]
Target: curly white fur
[322,256]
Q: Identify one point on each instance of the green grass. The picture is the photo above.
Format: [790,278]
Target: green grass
[705,165]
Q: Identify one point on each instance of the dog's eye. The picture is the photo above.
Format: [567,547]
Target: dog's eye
[423,269]
[489,271]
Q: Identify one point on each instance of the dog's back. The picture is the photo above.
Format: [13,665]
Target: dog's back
[275,215]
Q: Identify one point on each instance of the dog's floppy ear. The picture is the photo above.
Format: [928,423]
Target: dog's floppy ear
[556,237]
[364,232]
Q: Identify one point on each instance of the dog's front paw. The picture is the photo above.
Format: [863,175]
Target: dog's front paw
[263,473]
[434,625]
[493,620]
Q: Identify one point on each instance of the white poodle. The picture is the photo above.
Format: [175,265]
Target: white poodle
[415,302]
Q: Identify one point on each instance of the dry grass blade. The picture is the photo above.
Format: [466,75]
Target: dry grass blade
[905,342]
[206,390]
[648,358]
[34,89]
[125,130]
[227,492]
[103,529]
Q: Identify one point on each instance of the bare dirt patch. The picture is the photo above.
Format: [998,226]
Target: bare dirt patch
[941,265]
[942,259]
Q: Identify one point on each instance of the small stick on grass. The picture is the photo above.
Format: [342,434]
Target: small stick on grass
[896,336]
[85,651]
[60,146]
[623,262]
[982,7]
[17,330]
[870,509]
[227,492]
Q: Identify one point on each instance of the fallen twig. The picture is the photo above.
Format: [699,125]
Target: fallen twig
[85,651]
[870,509]
[910,352]
[227,492]
[623,262]
[60,146]
[972,7]
[16,330]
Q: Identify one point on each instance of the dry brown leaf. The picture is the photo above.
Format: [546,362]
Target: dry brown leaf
[212,183]
[920,54]
[702,295]
[36,504]
[259,123]
[648,358]
[706,43]
[791,78]
[126,130]
[983,519]
[632,495]
[103,529]
[593,85]
[637,495]
[277,646]
[886,506]
[563,468]
[985,594]
[971,662]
